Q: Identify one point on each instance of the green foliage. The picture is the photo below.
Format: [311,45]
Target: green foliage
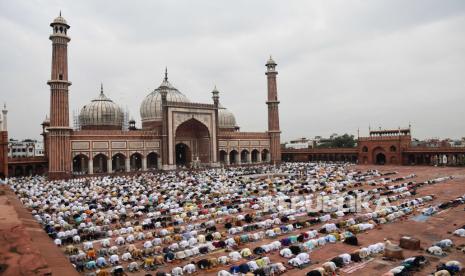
[342,141]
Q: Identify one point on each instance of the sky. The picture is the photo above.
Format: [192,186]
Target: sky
[343,65]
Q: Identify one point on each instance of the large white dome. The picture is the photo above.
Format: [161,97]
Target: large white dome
[226,118]
[150,109]
[101,112]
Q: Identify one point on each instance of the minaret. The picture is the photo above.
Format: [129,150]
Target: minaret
[59,157]
[5,118]
[164,129]
[273,112]
[216,103]
[45,137]
[4,144]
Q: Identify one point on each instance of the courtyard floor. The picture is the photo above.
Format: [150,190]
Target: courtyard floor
[25,249]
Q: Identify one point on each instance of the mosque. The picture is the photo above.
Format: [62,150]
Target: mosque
[175,131]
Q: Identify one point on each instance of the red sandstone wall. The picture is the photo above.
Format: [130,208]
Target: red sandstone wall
[154,125]
[376,145]
[113,135]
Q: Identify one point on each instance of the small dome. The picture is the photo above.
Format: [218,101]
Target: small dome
[101,112]
[271,61]
[226,118]
[150,109]
[59,20]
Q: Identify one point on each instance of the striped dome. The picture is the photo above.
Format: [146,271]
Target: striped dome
[150,109]
[226,118]
[101,111]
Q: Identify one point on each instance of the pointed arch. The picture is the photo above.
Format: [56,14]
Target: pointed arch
[255,155]
[152,160]
[245,156]
[193,138]
[99,163]
[223,156]
[135,161]
[233,157]
[80,164]
[118,162]
[265,155]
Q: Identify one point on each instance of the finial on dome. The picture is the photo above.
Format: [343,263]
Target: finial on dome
[46,120]
[216,97]
[166,73]
[59,20]
[270,61]
[101,88]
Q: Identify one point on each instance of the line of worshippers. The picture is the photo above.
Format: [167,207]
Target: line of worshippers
[409,265]
[152,220]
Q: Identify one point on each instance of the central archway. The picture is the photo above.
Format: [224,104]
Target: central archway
[183,155]
[380,159]
[378,156]
[196,142]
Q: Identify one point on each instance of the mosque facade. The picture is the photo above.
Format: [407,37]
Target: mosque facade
[175,131]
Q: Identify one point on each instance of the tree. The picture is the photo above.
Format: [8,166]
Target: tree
[342,141]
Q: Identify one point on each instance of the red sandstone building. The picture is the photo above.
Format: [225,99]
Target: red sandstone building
[383,147]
